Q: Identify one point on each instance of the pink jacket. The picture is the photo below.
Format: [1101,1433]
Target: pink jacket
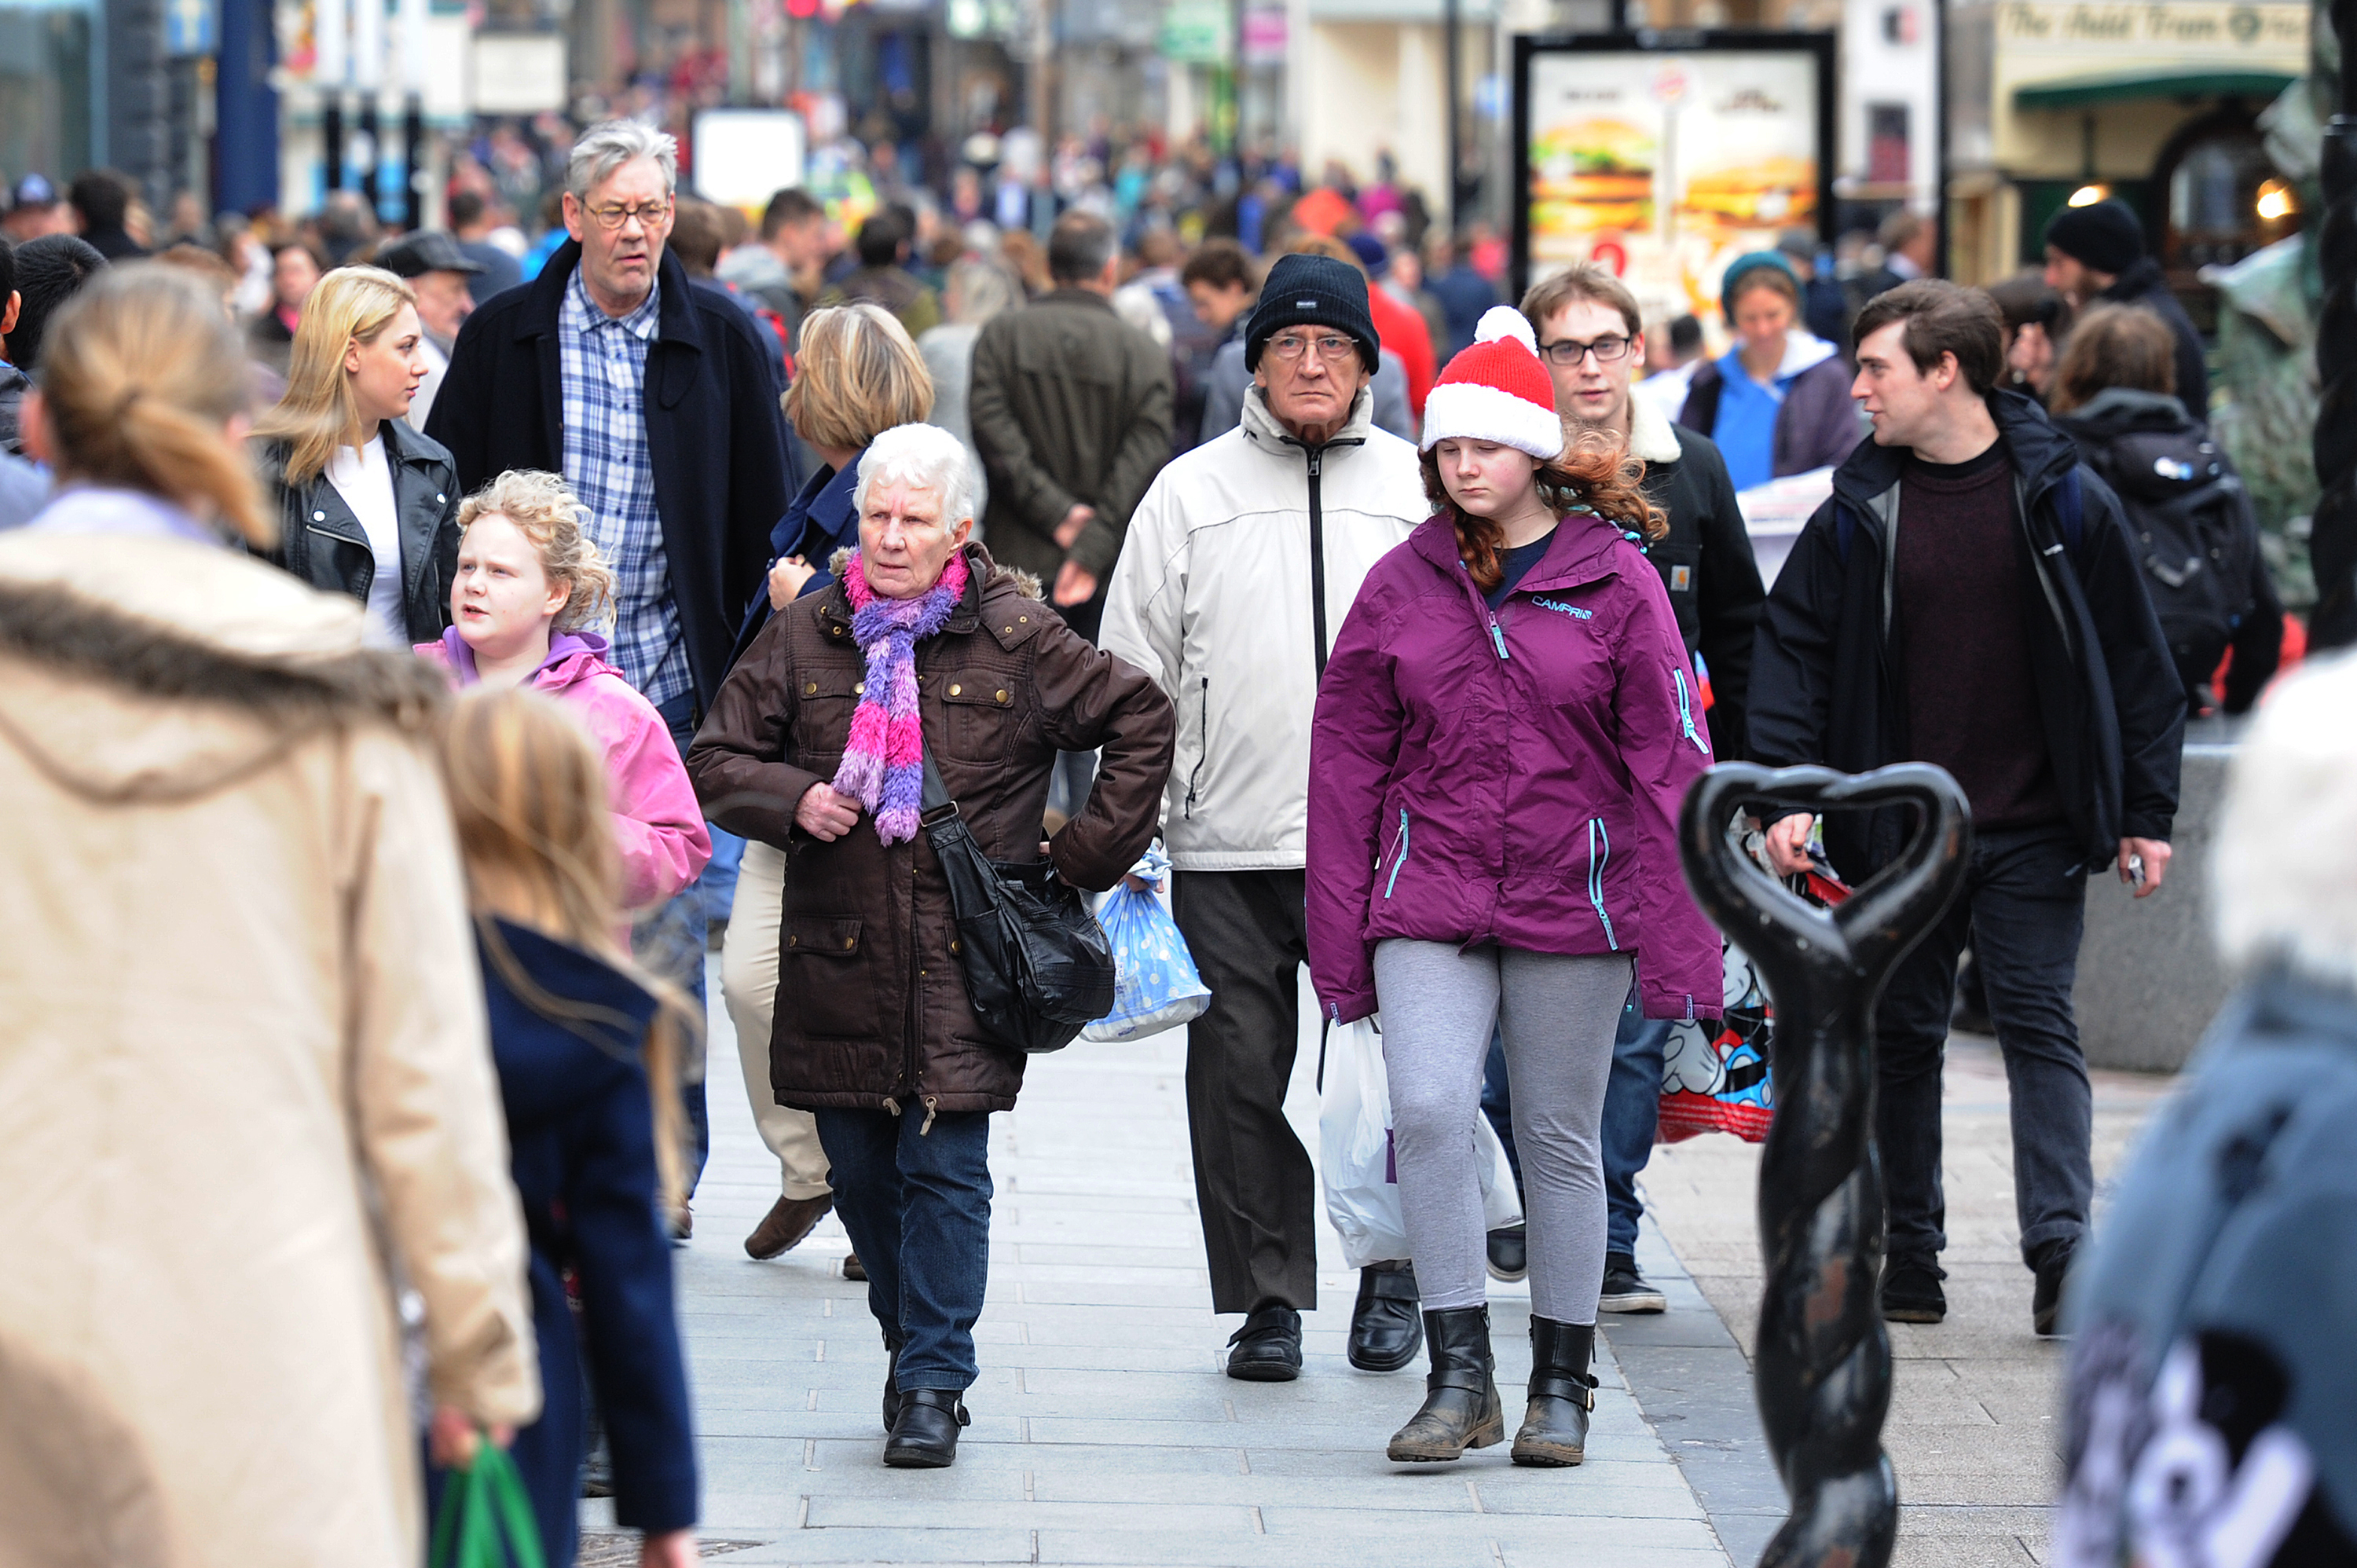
[656,819]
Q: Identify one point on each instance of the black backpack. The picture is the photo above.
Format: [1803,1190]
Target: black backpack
[2191,524]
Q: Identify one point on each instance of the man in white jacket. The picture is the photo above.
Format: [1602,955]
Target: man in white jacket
[1239,565]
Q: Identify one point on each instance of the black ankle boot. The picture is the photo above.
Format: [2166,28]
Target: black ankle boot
[891,1386]
[1460,1400]
[1563,1393]
[925,1432]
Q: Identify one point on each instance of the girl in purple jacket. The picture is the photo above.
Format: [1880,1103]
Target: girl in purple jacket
[1503,735]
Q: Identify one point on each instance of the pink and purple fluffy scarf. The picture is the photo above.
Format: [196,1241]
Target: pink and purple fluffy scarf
[884,762]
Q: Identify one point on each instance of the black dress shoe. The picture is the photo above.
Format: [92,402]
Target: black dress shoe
[1911,1293]
[1267,1348]
[1509,1254]
[925,1432]
[1386,1329]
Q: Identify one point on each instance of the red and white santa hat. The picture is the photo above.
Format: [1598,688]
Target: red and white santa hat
[1496,390]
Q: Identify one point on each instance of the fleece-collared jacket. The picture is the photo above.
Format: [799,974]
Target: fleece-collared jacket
[1241,563]
[1826,683]
[875,1011]
[1509,775]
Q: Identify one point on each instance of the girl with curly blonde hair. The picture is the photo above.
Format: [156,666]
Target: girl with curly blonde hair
[528,602]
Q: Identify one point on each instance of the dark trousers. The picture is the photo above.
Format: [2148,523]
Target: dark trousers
[2022,910]
[1633,1113]
[917,1205]
[1254,1185]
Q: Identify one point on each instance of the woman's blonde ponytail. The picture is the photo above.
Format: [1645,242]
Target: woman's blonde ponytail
[141,374]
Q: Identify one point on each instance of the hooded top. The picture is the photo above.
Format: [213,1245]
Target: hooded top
[661,829]
[1509,776]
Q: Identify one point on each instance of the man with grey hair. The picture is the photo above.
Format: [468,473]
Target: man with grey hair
[655,398]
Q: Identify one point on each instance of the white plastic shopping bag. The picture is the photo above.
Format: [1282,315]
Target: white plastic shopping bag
[1357,1160]
[1155,986]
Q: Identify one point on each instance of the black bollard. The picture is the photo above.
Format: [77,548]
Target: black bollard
[1823,1366]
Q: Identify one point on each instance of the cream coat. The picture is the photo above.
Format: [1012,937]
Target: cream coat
[244,1074]
[1211,598]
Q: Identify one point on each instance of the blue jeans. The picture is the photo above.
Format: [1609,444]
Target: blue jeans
[917,1205]
[1632,1113]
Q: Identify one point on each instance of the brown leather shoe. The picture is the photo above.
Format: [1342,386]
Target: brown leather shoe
[789,1220]
[853,1269]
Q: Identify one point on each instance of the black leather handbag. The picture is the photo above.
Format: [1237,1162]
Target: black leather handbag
[1037,966]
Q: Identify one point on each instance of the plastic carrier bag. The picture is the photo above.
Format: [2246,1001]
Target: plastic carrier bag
[1155,986]
[1717,1077]
[1356,1159]
[486,1519]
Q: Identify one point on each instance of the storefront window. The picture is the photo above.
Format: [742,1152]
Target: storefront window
[44,91]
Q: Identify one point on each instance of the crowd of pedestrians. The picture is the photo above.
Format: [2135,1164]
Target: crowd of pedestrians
[410,722]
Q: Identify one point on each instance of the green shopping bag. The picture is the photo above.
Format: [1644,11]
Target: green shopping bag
[485,1520]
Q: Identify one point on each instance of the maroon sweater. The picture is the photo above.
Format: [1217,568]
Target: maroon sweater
[1964,597]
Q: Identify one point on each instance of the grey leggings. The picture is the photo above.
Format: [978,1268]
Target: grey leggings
[1558,1015]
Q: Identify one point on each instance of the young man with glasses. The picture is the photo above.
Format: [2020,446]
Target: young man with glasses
[1239,565]
[1592,341]
[655,398]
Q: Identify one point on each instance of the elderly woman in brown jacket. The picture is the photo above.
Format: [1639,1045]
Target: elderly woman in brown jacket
[923,647]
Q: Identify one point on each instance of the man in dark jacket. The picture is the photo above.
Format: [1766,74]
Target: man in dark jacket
[653,397]
[2096,252]
[2006,636]
[656,399]
[1072,416]
[1592,338]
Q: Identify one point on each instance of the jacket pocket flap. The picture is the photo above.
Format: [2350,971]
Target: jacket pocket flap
[823,934]
[811,685]
[984,690]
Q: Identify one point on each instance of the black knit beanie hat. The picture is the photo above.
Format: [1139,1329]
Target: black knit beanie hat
[2103,235]
[1312,291]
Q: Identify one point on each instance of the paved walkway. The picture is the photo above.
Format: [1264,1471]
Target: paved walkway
[1974,1425]
[1105,1433]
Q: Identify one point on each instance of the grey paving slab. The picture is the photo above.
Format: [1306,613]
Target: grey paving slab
[1104,1430]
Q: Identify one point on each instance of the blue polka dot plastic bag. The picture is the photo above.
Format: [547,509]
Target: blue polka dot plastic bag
[1155,986]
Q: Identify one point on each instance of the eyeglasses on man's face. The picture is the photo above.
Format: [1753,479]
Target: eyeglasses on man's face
[652,214]
[1608,350]
[1289,347]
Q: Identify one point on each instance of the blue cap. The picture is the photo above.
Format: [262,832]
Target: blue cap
[33,190]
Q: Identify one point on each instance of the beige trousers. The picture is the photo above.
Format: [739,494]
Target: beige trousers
[748,979]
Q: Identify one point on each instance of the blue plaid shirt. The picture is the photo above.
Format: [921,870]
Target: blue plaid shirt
[602,368]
